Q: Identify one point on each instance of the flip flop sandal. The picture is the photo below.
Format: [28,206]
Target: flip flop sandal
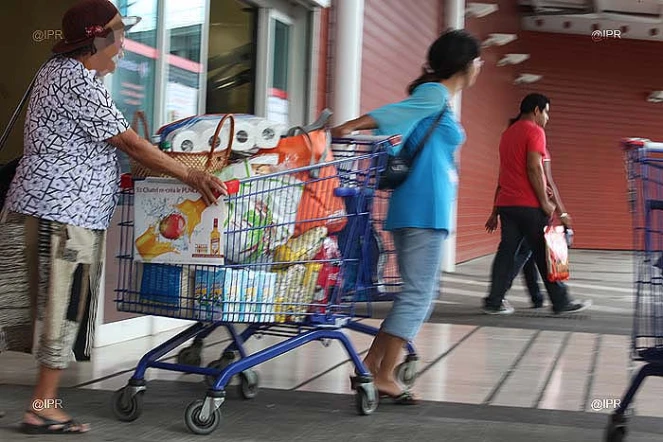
[404,398]
[50,426]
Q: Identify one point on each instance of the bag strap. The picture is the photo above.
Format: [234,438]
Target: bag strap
[429,133]
[19,108]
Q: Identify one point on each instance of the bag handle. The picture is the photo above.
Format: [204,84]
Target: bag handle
[19,108]
[429,133]
[215,138]
[314,173]
[139,117]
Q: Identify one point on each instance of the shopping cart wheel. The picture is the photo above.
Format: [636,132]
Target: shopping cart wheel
[366,398]
[196,424]
[249,384]
[191,355]
[616,431]
[127,406]
[406,372]
[219,364]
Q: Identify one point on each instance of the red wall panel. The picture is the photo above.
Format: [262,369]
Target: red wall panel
[597,92]
[395,42]
[486,109]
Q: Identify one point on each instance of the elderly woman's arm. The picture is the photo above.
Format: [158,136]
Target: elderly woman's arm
[150,156]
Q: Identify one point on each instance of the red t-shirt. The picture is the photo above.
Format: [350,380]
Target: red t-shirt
[515,188]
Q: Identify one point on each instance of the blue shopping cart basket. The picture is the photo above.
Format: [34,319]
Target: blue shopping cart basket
[270,282]
[644,174]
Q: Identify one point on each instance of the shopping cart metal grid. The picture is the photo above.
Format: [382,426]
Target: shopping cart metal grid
[643,162]
[302,288]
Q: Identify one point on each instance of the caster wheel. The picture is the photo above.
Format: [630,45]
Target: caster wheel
[249,384]
[366,405]
[126,408]
[406,373]
[190,356]
[198,426]
[616,431]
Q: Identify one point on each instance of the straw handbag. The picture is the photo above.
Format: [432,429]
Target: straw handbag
[212,161]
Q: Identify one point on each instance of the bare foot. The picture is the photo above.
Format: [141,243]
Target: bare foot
[388,387]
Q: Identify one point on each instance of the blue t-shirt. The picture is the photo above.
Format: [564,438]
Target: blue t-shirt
[425,200]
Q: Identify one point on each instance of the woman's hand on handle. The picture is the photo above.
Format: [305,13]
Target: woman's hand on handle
[208,185]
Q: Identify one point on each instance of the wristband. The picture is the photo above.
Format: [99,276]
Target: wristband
[564,215]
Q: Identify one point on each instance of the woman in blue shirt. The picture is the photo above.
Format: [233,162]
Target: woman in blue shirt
[420,210]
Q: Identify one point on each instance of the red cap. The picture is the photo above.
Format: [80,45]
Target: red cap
[85,21]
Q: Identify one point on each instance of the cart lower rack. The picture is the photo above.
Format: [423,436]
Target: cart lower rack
[297,263]
[644,173]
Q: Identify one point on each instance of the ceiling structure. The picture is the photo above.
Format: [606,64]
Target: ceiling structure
[632,19]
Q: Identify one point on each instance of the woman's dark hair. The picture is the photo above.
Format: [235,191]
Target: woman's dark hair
[451,53]
[529,104]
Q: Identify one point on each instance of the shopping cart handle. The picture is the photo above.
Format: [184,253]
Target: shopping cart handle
[367,139]
[126,181]
[232,187]
[641,143]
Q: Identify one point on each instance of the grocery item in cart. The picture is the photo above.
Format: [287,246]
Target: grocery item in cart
[330,258]
[261,218]
[288,283]
[301,248]
[163,285]
[208,294]
[173,225]
[320,206]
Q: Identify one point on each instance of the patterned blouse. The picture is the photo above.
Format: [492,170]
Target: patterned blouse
[69,173]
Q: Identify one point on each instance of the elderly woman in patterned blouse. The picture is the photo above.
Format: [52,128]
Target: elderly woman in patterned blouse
[62,198]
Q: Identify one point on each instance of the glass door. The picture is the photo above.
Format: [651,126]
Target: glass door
[282,71]
[277,107]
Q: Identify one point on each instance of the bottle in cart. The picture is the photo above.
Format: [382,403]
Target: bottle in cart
[215,239]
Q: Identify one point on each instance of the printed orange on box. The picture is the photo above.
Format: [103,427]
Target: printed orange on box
[173,225]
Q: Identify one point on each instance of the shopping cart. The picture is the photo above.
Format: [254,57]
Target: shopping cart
[644,172]
[299,288]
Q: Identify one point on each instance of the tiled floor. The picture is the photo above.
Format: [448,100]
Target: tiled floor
[471,364]
[460,363]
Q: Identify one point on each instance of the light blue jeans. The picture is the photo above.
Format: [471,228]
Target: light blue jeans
[419,257]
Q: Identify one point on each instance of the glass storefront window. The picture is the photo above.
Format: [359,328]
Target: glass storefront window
[185,21]
[133,82]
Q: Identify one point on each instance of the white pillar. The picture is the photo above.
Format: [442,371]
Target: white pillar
[347,59]
[454,15]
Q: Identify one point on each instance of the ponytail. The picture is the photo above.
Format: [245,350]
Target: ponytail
[513,120]
[426,77]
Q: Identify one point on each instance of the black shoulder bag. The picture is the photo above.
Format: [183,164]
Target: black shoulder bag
[398,166]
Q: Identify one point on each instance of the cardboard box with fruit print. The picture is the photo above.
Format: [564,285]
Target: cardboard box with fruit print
[173,225]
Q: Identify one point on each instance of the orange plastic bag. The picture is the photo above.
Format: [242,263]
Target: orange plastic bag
[557,254]
[318,201]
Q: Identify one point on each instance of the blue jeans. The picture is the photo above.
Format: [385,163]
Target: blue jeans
[419,256]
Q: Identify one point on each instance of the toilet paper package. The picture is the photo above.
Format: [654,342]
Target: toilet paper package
[245,135]
[195,134]
[267,133]
[185,141]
